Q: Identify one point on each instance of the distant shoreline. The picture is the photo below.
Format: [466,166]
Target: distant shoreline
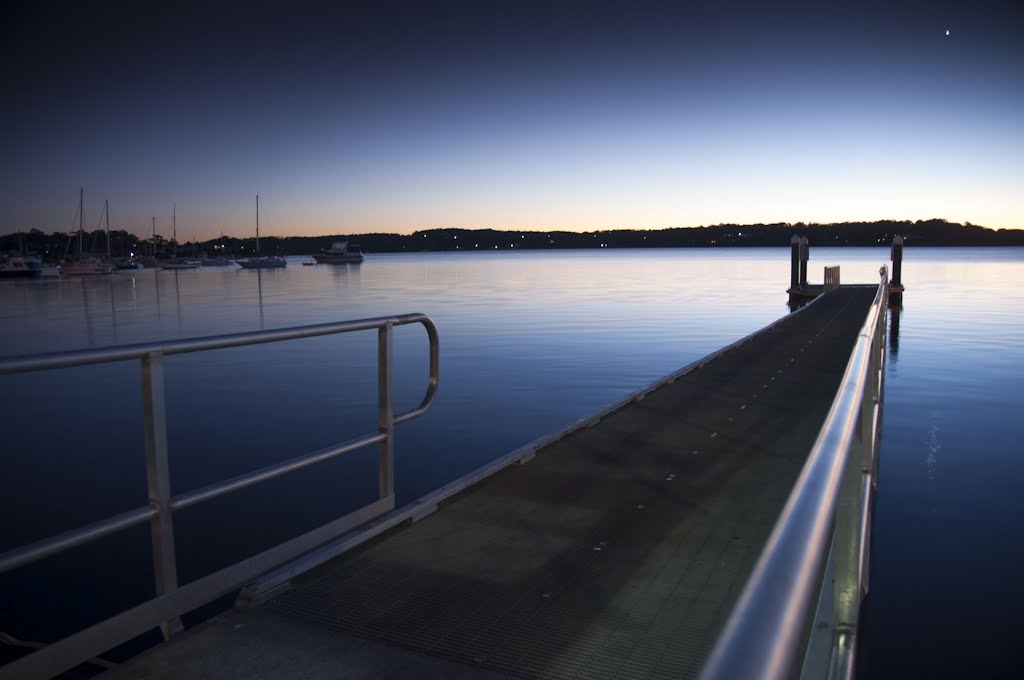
[854,234]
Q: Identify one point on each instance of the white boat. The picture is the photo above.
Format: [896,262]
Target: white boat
[87,266]
[84,266]
[179,264]
[340,253]
[264,262]
[258,261]
[216,261]
[20,267]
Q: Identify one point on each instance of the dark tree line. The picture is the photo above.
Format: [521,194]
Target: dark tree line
[920,233]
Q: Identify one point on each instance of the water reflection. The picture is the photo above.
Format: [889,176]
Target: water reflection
[87,313]
[156,286]
[177,298]
[894,332]
[933,447]
[24,299]
[259,295]
[349,275]
[113,308]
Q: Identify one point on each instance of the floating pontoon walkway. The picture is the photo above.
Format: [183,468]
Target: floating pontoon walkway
[617,552]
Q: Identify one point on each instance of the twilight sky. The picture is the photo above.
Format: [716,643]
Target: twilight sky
[351,117]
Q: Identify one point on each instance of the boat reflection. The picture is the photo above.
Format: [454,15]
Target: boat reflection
[177,298]
[259,294]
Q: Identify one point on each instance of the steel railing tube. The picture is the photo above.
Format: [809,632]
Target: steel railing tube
[206,493]
[764,632]
[75,537]
[435,362]
[39,362]
[767,625]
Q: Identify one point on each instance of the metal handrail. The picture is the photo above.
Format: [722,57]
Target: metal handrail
[766,628]
[171,601]
[102,355]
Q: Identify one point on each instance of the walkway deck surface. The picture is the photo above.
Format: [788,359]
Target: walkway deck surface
[617,552]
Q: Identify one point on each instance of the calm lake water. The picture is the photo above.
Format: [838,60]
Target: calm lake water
[530,342]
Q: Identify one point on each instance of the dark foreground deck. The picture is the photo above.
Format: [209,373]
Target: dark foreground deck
[617,552]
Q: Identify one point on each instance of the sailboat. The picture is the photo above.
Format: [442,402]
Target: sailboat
[120,263]
[258,262]
[149,261]
[82,266]
[174,262]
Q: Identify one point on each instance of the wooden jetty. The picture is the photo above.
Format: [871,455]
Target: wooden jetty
[618,548]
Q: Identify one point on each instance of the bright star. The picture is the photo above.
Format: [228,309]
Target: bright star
[947,31]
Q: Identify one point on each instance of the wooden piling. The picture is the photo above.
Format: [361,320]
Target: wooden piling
[805,252]
[794,273]
[896,283]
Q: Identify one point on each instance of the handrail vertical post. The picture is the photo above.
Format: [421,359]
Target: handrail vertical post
[385,411]
[846,545]
[165,570]
[871,398]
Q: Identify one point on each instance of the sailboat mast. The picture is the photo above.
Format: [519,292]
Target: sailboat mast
[106,209]
[174,236]
[257,225]
[81,212]
[154,237]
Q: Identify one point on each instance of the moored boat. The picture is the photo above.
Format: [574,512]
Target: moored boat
[340,253]
[216,261]
[20,267]
[126,264]
[84,265]
[264,262]
[258,261]
[174,262]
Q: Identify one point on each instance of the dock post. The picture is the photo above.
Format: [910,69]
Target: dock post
[805,249]
[794,270]
[896,284]
[385,412]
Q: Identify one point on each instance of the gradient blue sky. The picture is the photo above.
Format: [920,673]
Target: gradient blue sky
[377,116]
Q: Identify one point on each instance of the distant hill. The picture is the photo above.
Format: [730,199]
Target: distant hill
[920,233]
[933,232]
